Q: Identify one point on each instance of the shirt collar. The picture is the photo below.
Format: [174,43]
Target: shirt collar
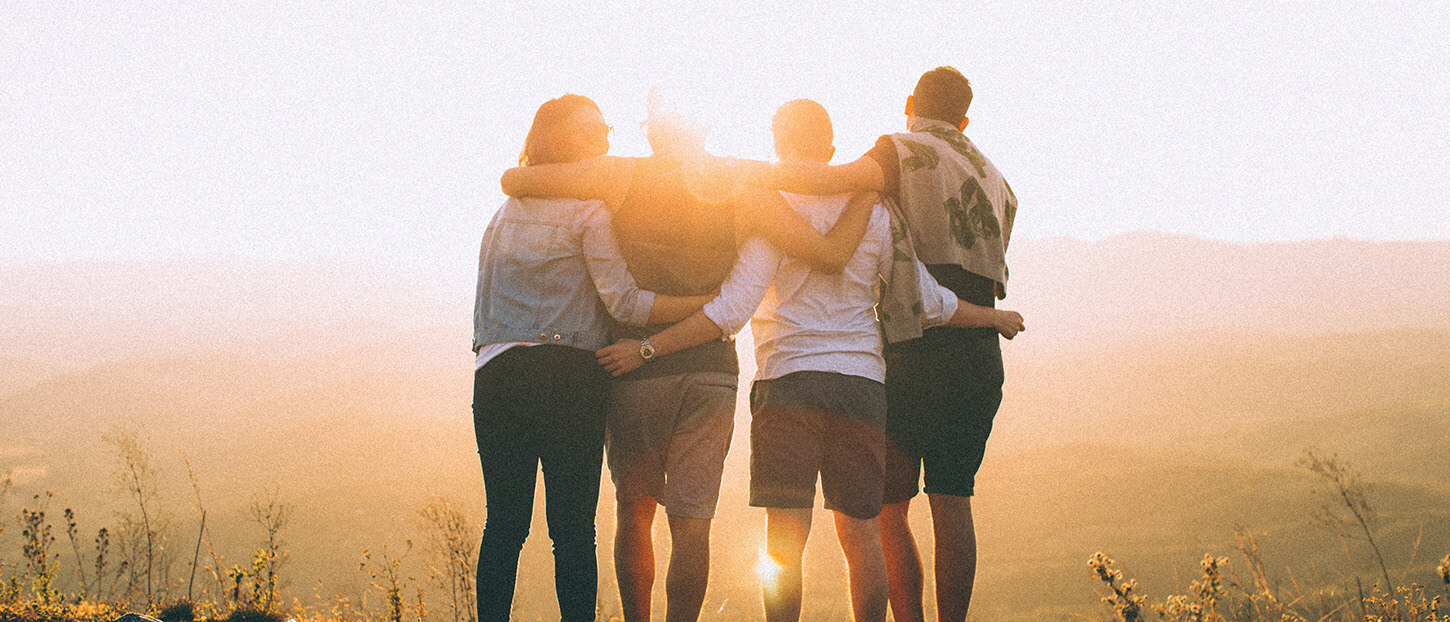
[922,124]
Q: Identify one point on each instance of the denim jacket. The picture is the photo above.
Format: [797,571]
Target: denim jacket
[549,271]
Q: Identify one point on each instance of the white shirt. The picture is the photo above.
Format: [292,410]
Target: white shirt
[811,321]
[487,352]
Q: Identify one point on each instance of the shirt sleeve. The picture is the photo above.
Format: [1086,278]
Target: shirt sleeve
[884,153]
[743,290]
[938,304]
[617,288]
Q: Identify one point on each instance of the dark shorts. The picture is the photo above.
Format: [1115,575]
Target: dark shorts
[810,423]
[942,392]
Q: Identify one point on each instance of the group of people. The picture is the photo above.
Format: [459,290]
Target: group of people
[609,290]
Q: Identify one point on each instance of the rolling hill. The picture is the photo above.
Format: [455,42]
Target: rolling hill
[1162,392]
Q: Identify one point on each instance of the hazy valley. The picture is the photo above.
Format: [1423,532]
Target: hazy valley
[1161,395]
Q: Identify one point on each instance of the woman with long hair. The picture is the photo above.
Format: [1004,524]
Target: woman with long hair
[549,275]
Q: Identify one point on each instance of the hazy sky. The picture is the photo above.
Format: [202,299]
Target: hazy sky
[298,130]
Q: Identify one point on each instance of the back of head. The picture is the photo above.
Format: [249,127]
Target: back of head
[943,94]
[551,137]
[677,119]
[802,129]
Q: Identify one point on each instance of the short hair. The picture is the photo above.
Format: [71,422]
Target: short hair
[804,127]
[546,142]
[943,94]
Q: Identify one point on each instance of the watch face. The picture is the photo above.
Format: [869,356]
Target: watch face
[646,351]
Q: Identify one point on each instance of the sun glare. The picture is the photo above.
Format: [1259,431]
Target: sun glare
[768,569]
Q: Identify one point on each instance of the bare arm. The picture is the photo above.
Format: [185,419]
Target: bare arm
[725,315]
[940,306]
[861,175]
[668,309]
[968,315]
[622,356]
[766,214]
[605,178]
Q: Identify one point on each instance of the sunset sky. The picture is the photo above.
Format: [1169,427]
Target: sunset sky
[316,129]
[250,229]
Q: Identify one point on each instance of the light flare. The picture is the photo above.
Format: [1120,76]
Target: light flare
[768,569]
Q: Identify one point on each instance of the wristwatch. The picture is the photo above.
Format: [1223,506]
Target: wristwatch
[646,351]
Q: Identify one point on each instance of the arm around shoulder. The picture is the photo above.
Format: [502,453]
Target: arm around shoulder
[861,175]
[766,214]
[605,178]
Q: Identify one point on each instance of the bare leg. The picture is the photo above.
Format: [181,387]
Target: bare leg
[956,555]
[634,557]
[861,542]
[903,563]
[689,568]
[786,531]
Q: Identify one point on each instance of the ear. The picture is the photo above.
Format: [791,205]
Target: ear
[963,126]
[909,106]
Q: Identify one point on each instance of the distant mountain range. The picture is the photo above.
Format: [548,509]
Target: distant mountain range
[73,315]
[1135,286]
[1073,293]
[1110,325]
[1163,389]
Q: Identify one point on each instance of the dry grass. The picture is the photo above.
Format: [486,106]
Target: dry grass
[1223,594]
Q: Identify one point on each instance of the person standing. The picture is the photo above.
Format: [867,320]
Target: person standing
[549,276]
[818,403]
[943,389]
[678,215]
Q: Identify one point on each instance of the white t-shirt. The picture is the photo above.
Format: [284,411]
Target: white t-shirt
[811,321]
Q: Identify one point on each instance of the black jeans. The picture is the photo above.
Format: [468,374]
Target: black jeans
[540,405]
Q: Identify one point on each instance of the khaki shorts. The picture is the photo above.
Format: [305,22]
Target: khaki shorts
[667,439]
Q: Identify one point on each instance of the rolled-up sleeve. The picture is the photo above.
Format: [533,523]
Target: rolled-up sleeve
[743,290]
[617,288]
[938,304]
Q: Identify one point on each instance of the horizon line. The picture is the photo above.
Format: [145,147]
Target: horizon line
[359,256]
